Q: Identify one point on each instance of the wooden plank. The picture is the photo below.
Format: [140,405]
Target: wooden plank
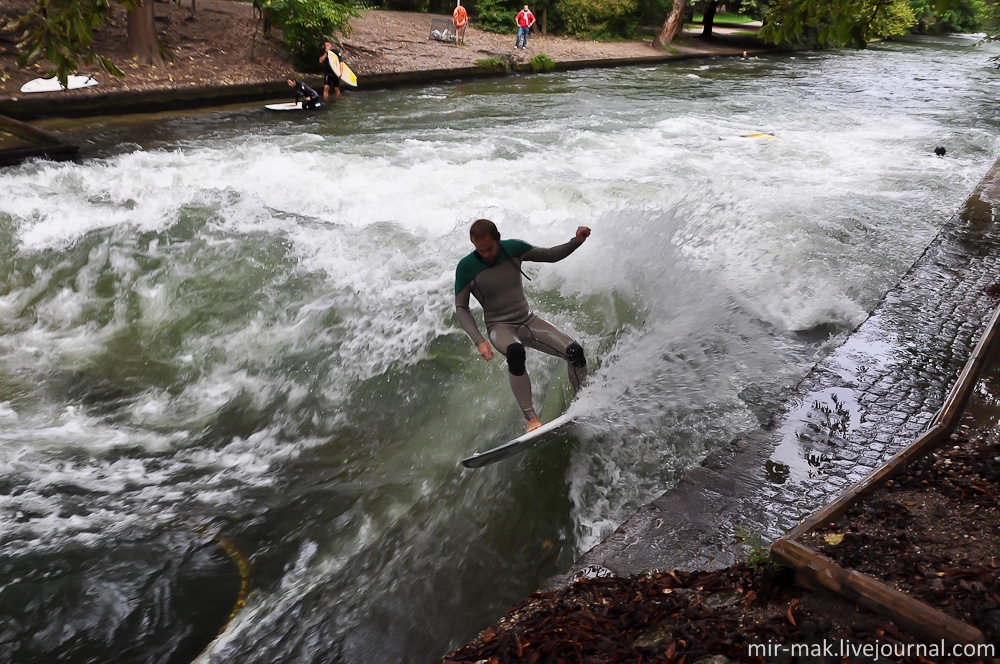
[923,444]
[818,570]
[948,418]
[906,611]
[958,398]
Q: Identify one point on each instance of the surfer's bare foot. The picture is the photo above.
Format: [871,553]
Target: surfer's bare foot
[532,424]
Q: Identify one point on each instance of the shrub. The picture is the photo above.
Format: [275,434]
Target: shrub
[542,62]
[598,19]
[493,64]
[496,15]
[306,23]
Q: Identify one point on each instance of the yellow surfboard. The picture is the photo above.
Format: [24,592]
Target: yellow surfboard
[348,76]
[340,68]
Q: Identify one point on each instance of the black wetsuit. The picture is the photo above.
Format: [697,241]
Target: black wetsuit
[309,97]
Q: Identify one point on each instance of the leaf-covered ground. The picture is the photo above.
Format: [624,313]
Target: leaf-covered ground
[933,533]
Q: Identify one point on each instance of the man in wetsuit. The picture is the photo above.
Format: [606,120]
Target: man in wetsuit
[492,273]
[331,79]
[309,97]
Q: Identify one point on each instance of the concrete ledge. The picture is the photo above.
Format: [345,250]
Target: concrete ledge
[90,102]
[33,142]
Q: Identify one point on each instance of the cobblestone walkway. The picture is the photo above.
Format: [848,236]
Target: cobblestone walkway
[859,406]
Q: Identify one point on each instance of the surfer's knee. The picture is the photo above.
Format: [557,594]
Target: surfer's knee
[516,358]
[574,355]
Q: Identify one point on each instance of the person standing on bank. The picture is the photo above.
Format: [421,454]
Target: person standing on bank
[460,18]
[524,19]
[492,273]
[331,79]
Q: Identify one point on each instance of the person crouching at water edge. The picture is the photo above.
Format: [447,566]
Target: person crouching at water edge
[309,97]
[492,273]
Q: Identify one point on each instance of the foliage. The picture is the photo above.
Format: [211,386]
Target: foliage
[837,23]
[305,24]
[598,19]
[757,553]
[652,12]
[953,16]
[991,23]
[493,64]
[496,15]
[62,32]
[542,63]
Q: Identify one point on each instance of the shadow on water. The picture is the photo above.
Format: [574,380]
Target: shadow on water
[153,597]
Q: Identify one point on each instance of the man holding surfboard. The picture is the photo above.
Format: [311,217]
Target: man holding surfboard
[331,77]
[492,273]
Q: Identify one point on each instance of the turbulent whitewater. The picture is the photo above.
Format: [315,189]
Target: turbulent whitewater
[230,337]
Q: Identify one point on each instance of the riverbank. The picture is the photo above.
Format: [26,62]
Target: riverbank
[220,56]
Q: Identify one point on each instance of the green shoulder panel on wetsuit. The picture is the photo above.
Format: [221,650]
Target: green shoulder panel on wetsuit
[470,266]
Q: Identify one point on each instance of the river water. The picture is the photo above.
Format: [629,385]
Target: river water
[229,338]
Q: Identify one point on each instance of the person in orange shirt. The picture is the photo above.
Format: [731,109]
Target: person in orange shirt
[461,19]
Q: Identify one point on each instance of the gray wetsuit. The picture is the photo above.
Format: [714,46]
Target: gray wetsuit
[509,322]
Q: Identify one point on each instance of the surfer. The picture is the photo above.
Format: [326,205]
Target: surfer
[524,19]
[460,18]
[309,97]
[331,77]
[492,273]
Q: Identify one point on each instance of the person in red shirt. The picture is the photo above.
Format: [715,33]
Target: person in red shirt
[461,19]
[524,19]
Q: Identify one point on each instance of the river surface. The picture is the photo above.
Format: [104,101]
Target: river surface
[229,342]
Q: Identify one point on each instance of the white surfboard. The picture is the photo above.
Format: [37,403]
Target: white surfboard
[73,82]
[287,106]
[519,444]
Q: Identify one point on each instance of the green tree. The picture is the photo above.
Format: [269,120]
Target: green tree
[496,15]
[61,32]
[835,22]
[954,16]
[991,23]
[598,19]
[672,26]
[305,24]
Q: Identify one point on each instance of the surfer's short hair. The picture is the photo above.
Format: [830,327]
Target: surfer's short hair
[482,228]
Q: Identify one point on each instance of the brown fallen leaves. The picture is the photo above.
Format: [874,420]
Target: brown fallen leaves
[933,532]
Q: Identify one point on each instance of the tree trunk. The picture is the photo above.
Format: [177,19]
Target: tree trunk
[709,19]
[545,20]
[142,41]
[672,26]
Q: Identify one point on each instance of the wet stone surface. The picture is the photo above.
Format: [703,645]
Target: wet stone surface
[858,407]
